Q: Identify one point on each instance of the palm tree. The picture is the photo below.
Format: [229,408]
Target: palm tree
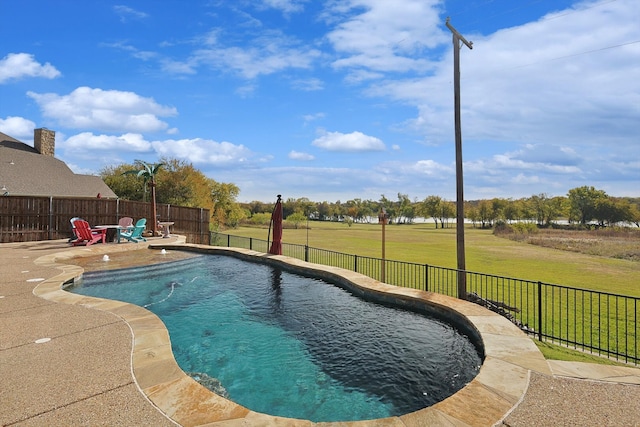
[148,173]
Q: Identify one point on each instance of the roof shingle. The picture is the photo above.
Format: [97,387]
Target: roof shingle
[25,172]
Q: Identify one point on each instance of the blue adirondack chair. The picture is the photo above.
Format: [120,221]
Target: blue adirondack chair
[135,235]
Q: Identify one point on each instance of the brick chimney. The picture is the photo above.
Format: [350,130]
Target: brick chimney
[44,140]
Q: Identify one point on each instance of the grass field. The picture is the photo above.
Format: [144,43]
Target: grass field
[485,253]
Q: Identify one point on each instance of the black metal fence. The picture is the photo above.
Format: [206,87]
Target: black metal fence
[596,322]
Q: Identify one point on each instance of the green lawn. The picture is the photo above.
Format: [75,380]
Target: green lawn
[554,352]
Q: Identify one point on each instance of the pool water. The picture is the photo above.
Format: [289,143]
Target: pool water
[294,346]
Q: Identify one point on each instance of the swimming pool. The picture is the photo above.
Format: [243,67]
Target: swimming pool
[337,356]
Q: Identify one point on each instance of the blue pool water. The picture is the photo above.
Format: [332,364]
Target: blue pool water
[294,346]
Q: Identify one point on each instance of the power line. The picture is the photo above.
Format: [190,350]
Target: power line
[578,10]
[507,12]
[550,18]
[527,5]
[573,55]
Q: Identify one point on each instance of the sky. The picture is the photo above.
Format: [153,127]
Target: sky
[337,99]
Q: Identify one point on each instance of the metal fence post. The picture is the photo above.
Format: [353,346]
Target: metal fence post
[426,277]
[355,263]
[306,253]
[250,243]
[539,311]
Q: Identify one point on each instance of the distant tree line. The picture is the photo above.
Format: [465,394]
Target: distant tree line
[179,183]
[582,206]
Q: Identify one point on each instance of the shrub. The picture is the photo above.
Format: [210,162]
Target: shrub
[502,227]
[525,227]
[260,219]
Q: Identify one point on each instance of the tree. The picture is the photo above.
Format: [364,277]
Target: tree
[354,209]
[472,213]
[148,174]
[127,187]
[634,215]
[389,206]
[337,211]
[306,206]
[179,183]
[430,207]
[296,219]
[324,211]
[486,213]
[447,211]
[612,211]
[546,209]
[555,209]
[583,202]
[226,211]
[511,211]
[255,207]
[497,208]
[527,209]
[406,209]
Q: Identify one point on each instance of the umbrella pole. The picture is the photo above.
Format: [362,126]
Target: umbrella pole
[271,222]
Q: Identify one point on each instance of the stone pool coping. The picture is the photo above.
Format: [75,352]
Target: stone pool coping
[501,383]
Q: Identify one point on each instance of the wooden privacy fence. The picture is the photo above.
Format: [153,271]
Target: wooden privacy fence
[28,218]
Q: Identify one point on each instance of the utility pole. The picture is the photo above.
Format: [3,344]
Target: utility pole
[462,269]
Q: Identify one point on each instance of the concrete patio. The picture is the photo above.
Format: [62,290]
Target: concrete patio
[65,362]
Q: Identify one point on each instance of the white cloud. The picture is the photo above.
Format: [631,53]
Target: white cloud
[178,67]
[126,13]
[128,142]
[415,171]
[204,152]
[432,168]
[547,153]
[384,35]
[144,55]
[297,155]
[353,142]
[308,85]
[321,183]
[312,117]
[286,6]
[501,161]
[17,127]
[18,65]
[109,110]
[522,85]
[246,90]
[359,76]
[268,54]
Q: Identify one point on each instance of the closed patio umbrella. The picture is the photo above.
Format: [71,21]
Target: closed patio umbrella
[276,223]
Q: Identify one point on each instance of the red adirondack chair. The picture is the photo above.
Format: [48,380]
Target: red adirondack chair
[87,235]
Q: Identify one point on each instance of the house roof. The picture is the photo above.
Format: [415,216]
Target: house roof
[26,172]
